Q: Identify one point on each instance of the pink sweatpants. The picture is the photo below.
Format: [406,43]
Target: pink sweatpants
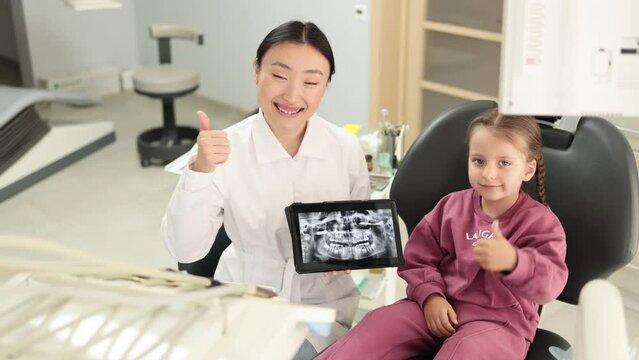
[399,331]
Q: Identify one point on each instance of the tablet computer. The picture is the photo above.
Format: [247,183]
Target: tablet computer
[340,235]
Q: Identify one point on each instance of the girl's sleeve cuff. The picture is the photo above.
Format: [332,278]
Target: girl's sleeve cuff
[423,291]
[523,271]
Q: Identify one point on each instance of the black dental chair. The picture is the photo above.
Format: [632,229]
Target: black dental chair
[206,266]
[591,185]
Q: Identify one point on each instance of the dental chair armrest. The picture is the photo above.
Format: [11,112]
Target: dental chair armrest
[601,325]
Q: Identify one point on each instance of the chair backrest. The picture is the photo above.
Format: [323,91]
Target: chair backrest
[591,185]
[207,265]
[165,32]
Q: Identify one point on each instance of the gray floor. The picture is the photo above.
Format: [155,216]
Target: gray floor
[107,203]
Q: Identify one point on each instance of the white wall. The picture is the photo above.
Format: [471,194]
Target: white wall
[8,49]
[233,29]
[52,37]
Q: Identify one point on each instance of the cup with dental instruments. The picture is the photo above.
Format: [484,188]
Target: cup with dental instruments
[384,149]
[390,145]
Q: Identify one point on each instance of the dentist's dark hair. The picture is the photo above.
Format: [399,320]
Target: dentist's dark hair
[301,33]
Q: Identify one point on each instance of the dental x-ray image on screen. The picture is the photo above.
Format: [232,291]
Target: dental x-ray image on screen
[344,235]
[347,235]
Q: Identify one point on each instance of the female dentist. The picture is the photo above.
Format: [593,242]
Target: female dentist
[244,177]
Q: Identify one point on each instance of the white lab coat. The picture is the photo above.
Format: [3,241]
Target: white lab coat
[248,193]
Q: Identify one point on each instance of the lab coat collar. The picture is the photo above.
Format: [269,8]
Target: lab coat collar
[269,149]
[315,139]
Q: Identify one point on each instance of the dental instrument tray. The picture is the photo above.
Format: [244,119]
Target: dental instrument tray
[341,235]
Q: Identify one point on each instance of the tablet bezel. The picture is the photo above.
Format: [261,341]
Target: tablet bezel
[292,217]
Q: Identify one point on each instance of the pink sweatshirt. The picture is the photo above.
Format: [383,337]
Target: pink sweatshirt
[439,259]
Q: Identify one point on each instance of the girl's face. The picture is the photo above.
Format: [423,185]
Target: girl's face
[291,81]
[497,167]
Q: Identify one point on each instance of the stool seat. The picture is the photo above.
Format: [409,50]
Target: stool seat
[165,79]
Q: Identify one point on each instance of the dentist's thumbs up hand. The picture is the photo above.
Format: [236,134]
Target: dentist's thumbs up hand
[496,254]
[212,146]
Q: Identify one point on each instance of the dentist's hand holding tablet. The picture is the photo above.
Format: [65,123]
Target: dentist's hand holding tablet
[212,146]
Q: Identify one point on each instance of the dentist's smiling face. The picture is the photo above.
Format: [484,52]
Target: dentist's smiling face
[291,81]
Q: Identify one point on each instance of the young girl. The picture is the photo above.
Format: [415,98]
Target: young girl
[479,264]
[247,174]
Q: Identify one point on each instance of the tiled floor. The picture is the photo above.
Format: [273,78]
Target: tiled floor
[107,203]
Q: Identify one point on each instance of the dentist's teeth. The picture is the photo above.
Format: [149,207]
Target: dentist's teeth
[286,111]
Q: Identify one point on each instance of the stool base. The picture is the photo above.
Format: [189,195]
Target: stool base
[159,146]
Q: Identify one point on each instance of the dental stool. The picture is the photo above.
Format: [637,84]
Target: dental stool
[166,82]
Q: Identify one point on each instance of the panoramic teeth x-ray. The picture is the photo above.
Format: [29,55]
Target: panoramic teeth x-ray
[347,235]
